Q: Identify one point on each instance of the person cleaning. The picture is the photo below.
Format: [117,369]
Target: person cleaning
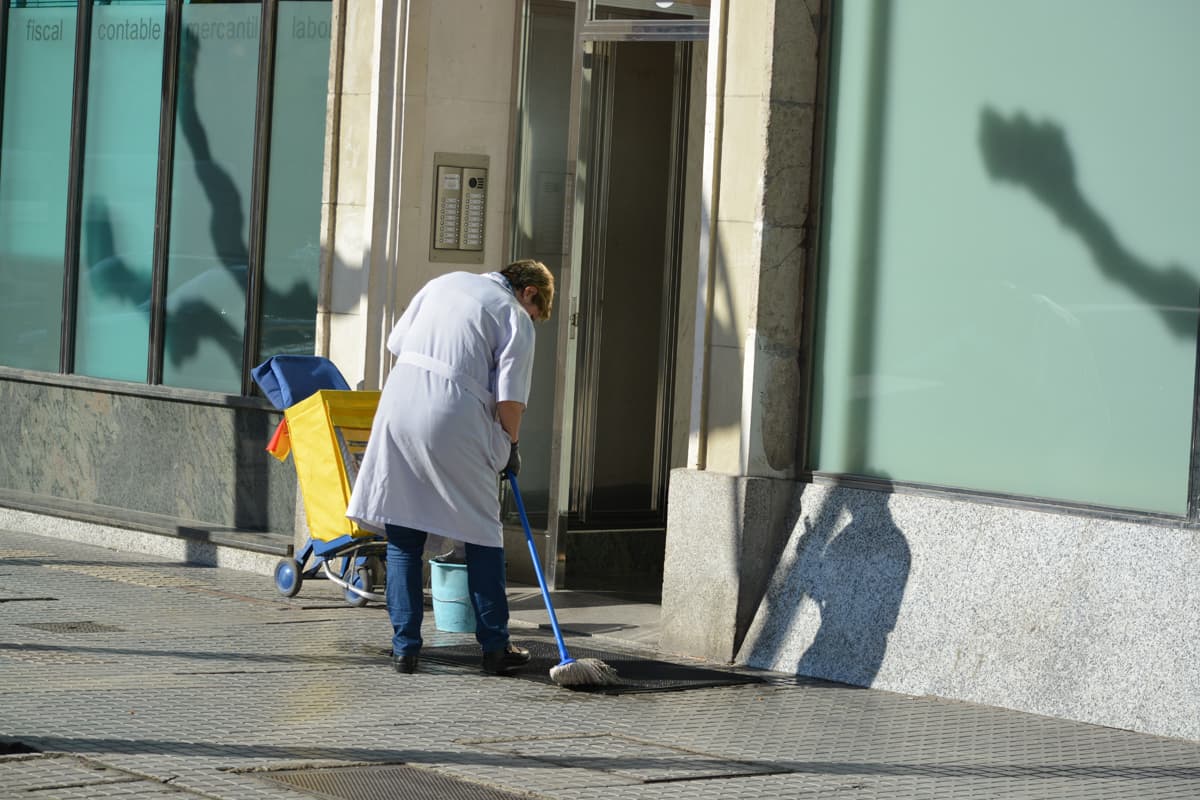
[445,432]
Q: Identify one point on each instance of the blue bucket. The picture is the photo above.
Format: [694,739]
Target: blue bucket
[452,611]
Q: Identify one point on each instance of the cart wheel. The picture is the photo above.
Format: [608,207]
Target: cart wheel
[361,580]
[287,577]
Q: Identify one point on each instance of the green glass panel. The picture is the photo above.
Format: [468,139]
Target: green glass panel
[293,233]
[210,197]
[40,65]
[1010,269]
[119,178]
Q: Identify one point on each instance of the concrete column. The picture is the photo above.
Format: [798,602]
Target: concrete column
[725,534]
[362,71]
[764,69]
[761,237]
[419,76]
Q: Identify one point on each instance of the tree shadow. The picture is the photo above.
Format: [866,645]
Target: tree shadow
[196,306]
[192,317]
[1036,156]
[227,217]
[107,272]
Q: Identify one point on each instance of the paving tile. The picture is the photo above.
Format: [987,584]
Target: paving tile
[188,681]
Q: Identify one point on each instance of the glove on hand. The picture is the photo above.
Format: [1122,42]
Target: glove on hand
[514,462]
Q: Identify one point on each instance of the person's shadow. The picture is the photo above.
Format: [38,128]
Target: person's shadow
[852,561]
[1035,155]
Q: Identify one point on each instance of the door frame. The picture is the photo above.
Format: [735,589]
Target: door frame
[588,333]
[576,191]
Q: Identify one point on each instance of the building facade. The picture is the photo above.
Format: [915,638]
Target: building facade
[874,357]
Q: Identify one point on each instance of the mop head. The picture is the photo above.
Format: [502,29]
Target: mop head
[584,672]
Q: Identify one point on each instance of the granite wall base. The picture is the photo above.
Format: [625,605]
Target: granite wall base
[725,534]
[202,463]
[1066,615]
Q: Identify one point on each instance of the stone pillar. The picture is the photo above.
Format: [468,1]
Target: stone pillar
[366,33]
[418,76]
[763,89]
[725,534]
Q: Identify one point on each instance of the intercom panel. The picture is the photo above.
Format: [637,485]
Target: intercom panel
[459,208]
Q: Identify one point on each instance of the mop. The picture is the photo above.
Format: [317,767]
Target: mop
[569,671]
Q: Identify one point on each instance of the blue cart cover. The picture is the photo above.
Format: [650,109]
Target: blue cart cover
[286,380]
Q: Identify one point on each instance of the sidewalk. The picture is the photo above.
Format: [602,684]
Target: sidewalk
[126,675]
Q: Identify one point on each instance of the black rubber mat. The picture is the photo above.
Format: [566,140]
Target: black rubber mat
[636,674]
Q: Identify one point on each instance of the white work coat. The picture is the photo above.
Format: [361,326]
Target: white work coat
[436,447]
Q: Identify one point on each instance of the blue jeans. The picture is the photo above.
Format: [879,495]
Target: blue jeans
[405,597]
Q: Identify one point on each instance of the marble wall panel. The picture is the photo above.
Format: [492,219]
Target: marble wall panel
[180,459]
[1068,615]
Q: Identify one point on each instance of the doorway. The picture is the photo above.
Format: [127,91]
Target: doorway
[609,97]
[633,154]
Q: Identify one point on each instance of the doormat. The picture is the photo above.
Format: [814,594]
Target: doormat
[636,673]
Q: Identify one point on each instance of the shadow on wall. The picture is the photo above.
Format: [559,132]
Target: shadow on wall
[848,561]
[1035,155]
[196,306]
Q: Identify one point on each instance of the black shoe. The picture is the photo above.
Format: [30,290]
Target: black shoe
[502,662]
[404,664]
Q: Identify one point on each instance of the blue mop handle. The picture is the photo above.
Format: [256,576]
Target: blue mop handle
[537,569]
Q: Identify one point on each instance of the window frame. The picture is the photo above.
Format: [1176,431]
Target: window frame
[257,211]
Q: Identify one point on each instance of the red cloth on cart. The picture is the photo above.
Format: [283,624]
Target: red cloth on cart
[281,443]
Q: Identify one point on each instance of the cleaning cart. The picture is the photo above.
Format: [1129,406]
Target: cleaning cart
[325,429]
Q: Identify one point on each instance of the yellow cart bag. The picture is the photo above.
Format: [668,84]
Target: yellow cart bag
[328,433]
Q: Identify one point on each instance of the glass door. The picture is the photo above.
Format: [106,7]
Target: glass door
[622,332]
[599,151]
[629,277]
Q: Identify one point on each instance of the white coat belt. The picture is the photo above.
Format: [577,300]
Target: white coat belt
[444,370]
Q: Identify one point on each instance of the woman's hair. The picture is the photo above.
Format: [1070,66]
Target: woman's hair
[528,272]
